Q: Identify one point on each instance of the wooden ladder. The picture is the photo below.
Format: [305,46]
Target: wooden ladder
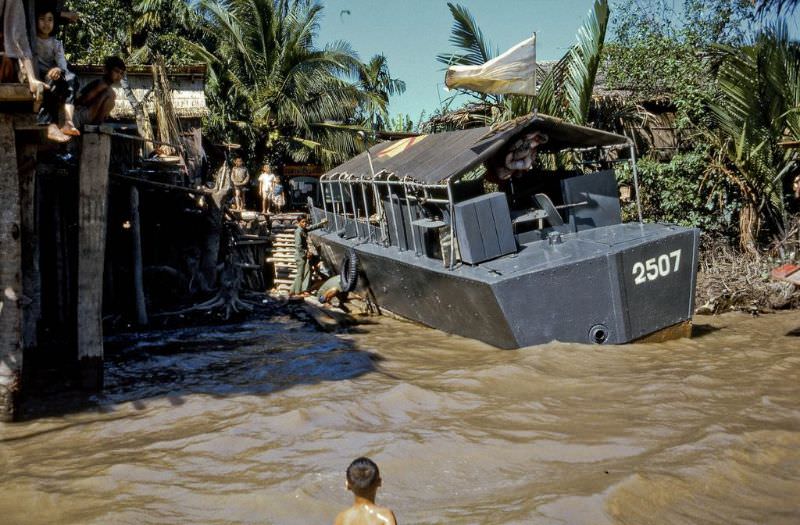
[282,257]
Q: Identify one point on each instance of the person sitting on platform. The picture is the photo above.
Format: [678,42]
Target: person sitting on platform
[240,178]
[60,81]
[96,100]
[16,45]
[363,480]
[302,255]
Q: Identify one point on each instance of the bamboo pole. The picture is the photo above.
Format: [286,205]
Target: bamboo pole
[161,185]
[138,280]
[10,274]
[91,251]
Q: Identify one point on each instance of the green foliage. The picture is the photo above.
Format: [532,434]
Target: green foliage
[467,36]
[376,84]
[660,50]
[682,192]
[166,31]
[273,89]
[103,30]
[757,108]
[139,32]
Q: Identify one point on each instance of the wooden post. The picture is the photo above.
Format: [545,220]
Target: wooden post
[91,252]
[10,274]
[31,276]
[138,280]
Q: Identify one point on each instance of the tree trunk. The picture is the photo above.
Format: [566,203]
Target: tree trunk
[749,226]
[216,204]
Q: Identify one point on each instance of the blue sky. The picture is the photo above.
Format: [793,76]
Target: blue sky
[412,32]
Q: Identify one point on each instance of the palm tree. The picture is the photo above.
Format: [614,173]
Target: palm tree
[272,82]
[163,30]
[377,84]
[158,14]
[757,108]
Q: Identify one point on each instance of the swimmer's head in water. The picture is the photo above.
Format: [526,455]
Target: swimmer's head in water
[363,476]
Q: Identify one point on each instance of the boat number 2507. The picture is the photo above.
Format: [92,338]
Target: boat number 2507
[660,266]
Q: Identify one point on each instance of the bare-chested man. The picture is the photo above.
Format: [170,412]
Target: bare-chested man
[96,100]
[363,479]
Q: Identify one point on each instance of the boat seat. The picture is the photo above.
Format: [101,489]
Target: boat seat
[483,228]
[551,214]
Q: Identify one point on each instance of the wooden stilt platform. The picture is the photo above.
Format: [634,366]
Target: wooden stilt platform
[20,276]
[10,273]
[91,252]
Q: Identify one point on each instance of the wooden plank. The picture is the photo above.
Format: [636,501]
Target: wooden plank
[323,320]
[15,93]
[91,250]
[253,236]
[10,274]
[251,243]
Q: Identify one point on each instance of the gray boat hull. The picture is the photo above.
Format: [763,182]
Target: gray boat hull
[612,285]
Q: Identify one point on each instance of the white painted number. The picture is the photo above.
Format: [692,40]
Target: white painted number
[652,269]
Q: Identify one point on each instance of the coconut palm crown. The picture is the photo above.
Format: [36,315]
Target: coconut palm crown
[271,81]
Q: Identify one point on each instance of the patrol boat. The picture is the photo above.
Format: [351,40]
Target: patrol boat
[483,233]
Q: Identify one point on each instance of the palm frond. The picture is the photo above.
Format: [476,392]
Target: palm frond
[584,58]
[467,36]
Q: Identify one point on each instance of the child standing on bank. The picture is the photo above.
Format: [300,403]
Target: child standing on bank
[61,83]
[266,187]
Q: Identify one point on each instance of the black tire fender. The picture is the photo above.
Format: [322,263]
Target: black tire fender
[349,271]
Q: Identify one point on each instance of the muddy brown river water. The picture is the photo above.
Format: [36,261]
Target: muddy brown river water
[256,423]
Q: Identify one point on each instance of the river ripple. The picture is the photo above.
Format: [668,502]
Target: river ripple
[256,423]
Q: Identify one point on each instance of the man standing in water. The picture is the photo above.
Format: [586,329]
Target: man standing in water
[302,255]
[363,479]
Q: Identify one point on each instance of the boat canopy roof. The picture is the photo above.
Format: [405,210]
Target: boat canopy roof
[435,158]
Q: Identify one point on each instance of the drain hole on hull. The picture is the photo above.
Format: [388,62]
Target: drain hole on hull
[598,334]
